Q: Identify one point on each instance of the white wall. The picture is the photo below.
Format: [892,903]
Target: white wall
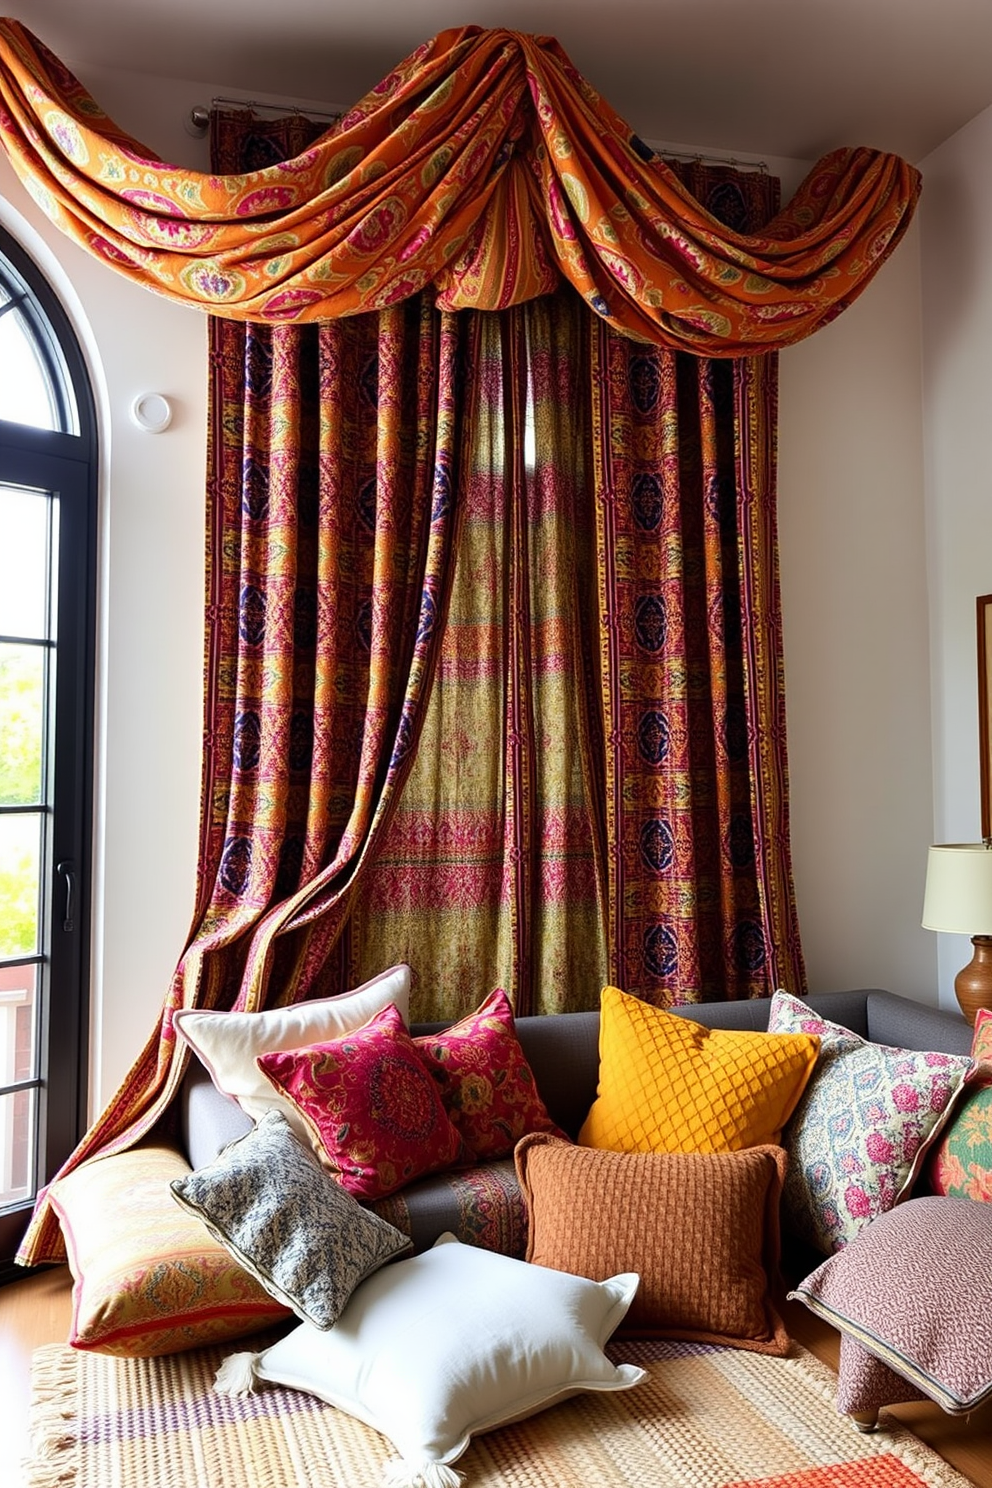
[957,380]
[854,614]
[854,598]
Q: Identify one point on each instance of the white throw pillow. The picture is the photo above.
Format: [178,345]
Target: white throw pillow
[228,1044]
[432,1350]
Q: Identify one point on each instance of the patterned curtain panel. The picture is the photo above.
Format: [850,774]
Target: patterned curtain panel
[492,872]
[335,456]
[700,893]
[493,675]
[600,789]
[483,165]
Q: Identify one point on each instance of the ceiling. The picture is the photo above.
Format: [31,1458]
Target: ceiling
[777,77]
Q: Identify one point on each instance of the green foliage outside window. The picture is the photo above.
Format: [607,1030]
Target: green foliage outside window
[21,739]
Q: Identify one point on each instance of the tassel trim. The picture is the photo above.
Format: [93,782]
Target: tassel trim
[403,1474]
[237,1375]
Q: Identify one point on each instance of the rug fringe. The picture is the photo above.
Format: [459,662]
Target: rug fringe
[53,1461]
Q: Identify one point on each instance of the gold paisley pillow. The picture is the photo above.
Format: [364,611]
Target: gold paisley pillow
[149,1279]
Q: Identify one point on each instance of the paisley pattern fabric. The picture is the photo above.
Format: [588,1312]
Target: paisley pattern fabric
[485,167]
[371,1107]
[486,1084]
[287,1222]
[600,792]
[147,1278]
[863,1128]
[491,871]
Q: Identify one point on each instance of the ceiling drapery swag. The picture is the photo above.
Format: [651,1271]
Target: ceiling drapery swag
[485,166]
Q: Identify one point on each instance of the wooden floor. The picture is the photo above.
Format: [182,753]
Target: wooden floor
[36,1311]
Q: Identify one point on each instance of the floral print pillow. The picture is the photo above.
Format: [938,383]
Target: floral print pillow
[370,1107]
[485,1082]
[961,1164]
[864,1126]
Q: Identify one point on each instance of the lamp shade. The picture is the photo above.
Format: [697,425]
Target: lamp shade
[958,895]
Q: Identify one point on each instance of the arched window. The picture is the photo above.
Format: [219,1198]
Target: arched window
[47,607]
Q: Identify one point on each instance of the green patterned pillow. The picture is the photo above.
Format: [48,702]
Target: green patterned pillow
[961,1165]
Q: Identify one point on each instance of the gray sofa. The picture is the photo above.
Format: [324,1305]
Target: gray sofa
[483,1205]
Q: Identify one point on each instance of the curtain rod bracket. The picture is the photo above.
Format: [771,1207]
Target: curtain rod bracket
[197,121]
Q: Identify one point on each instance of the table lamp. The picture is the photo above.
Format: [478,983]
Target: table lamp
[958,900]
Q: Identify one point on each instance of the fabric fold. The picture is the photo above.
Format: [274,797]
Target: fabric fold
[484,165]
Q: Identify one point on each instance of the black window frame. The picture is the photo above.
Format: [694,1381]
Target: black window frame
[65,464]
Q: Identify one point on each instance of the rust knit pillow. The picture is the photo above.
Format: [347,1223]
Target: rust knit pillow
[700,1228]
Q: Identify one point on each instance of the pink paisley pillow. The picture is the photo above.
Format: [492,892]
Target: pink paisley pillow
[372,1111]
[486,1084]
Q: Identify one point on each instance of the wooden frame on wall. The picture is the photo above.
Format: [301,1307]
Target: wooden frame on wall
[984,609]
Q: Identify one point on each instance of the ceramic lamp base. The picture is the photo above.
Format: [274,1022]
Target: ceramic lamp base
[973,983]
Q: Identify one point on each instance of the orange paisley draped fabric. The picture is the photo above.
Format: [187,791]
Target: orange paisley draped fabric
[485,166]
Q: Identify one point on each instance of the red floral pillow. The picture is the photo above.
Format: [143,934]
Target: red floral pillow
[485,1081]
[373,1112]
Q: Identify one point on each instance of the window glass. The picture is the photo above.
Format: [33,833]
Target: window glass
[22,724]
[20,865]
[18,1115]
[24,590]
[27,395]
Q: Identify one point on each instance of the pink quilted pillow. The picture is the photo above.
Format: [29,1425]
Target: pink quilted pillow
[372,1110]
[485,1081]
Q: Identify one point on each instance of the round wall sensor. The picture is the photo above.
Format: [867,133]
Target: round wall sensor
[151,412]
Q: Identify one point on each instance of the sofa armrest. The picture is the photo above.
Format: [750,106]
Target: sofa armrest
[914,1025]
[209,1119]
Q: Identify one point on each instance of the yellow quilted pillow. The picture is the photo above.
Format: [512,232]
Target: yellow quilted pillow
[667,1084]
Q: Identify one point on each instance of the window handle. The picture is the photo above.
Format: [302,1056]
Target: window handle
[68,872]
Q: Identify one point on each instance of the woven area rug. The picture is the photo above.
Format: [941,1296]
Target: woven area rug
[705,1418]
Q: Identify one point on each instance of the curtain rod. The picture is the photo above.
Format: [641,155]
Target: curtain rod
[198,120]
[198,123]
[698,157]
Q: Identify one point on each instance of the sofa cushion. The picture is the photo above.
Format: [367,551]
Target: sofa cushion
[485,1082]
[229,1044]
[148,1278]
[481,1205]
[369,1106]
[862,1129]
[432,1350]
[913,1288]
[287,1222]
[700,1229]
[668,1084]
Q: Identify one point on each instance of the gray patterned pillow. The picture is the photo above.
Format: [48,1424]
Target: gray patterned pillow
[288,1223]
